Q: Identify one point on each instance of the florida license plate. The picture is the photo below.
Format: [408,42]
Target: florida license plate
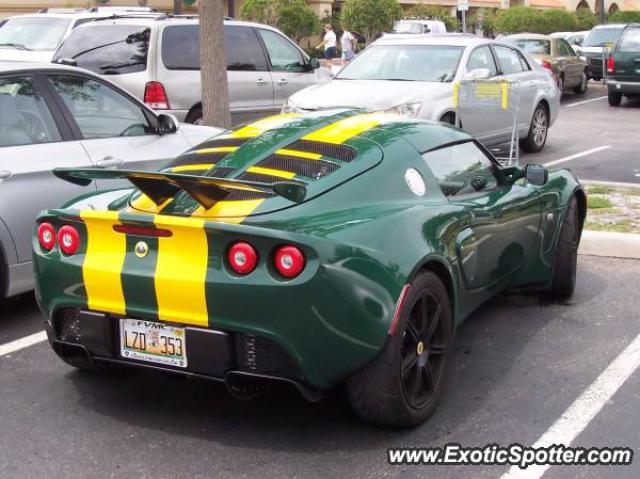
[153,342]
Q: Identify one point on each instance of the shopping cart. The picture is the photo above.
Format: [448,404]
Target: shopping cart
[478,96]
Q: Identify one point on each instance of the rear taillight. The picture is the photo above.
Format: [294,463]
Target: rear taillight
[546,64]
[155,96]
[242,258]
[69,239]
[611,64]
[289,261]
[47,236]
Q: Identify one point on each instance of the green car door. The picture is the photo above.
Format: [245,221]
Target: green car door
[503,217]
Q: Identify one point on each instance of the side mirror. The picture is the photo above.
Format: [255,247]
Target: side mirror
[537,175]
[478,74]
[314,63]
[166,124]
[67,61]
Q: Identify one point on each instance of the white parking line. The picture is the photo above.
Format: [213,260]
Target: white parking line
[22,343]
[576,155]
[571,105]
[575,419]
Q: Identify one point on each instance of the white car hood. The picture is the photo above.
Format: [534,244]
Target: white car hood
[372,95]
[196,134]
[15,55]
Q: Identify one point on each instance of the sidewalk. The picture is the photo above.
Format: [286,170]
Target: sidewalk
[612,245]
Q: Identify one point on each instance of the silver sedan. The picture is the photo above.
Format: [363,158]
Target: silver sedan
[416,77]
[56,116]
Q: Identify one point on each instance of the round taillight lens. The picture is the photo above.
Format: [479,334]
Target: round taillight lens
[69,239]
[289,261]
[242,258]
[47,236]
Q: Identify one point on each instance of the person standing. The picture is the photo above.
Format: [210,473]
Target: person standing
[329,42]
[347,44]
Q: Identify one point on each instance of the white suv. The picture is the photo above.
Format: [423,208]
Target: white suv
[158,60]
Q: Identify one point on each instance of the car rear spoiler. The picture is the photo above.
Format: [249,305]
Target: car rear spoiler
[160,187]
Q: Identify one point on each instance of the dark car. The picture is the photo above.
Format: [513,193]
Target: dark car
[595,43]
[623,66]
[320,249]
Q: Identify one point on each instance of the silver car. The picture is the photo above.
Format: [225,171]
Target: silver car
[158,60]
[56,116]
[416,77]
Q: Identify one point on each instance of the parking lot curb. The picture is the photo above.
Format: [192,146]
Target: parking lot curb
[611,245]
[610,184]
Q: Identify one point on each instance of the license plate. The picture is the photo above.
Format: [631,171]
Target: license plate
[153,342]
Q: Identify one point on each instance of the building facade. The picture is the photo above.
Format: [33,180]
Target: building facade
[323,8]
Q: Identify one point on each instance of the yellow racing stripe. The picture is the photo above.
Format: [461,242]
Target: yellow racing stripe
[216,149]
[270,171]
[103,262]
[299,154]
[257,128]
[344,129]
[181,271]
[229,211]
[198,166]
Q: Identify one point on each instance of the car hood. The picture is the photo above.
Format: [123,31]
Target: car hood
[15,55]
[371,95]
[196,134]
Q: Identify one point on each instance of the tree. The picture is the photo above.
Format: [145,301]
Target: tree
[558,21]
[213,65]
[520,19]
[261,11]
[370,17]
[296,19]
[436,12]
[484,19]
[585,19]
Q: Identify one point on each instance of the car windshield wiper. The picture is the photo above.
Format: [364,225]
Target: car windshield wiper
[121,65]
[17,46]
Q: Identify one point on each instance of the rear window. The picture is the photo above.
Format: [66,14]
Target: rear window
[534,46]
[28,33]
[599,37]
[180,49]
[630,41]
[107,50]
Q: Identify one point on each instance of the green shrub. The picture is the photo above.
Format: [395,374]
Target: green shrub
[520,19]
[558,21]
[585,19]
[625,17]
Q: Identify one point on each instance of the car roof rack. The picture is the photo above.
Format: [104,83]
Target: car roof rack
[62,10]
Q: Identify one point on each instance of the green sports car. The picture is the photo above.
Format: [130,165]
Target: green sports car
[315,249]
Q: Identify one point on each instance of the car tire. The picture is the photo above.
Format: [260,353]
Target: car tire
[563,281]
[382,393]
[560,85]
[195,116]
[538,130]
[582,88]
[614,98]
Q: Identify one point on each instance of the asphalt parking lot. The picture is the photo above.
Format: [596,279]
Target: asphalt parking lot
[596,141]
[520,362]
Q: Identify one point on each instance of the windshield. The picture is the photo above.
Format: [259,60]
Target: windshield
[407,27]
[601,36]
[533,46]
[107,50]
[29,33]
[432,63]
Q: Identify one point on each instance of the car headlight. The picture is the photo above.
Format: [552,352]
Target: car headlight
[407,109]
